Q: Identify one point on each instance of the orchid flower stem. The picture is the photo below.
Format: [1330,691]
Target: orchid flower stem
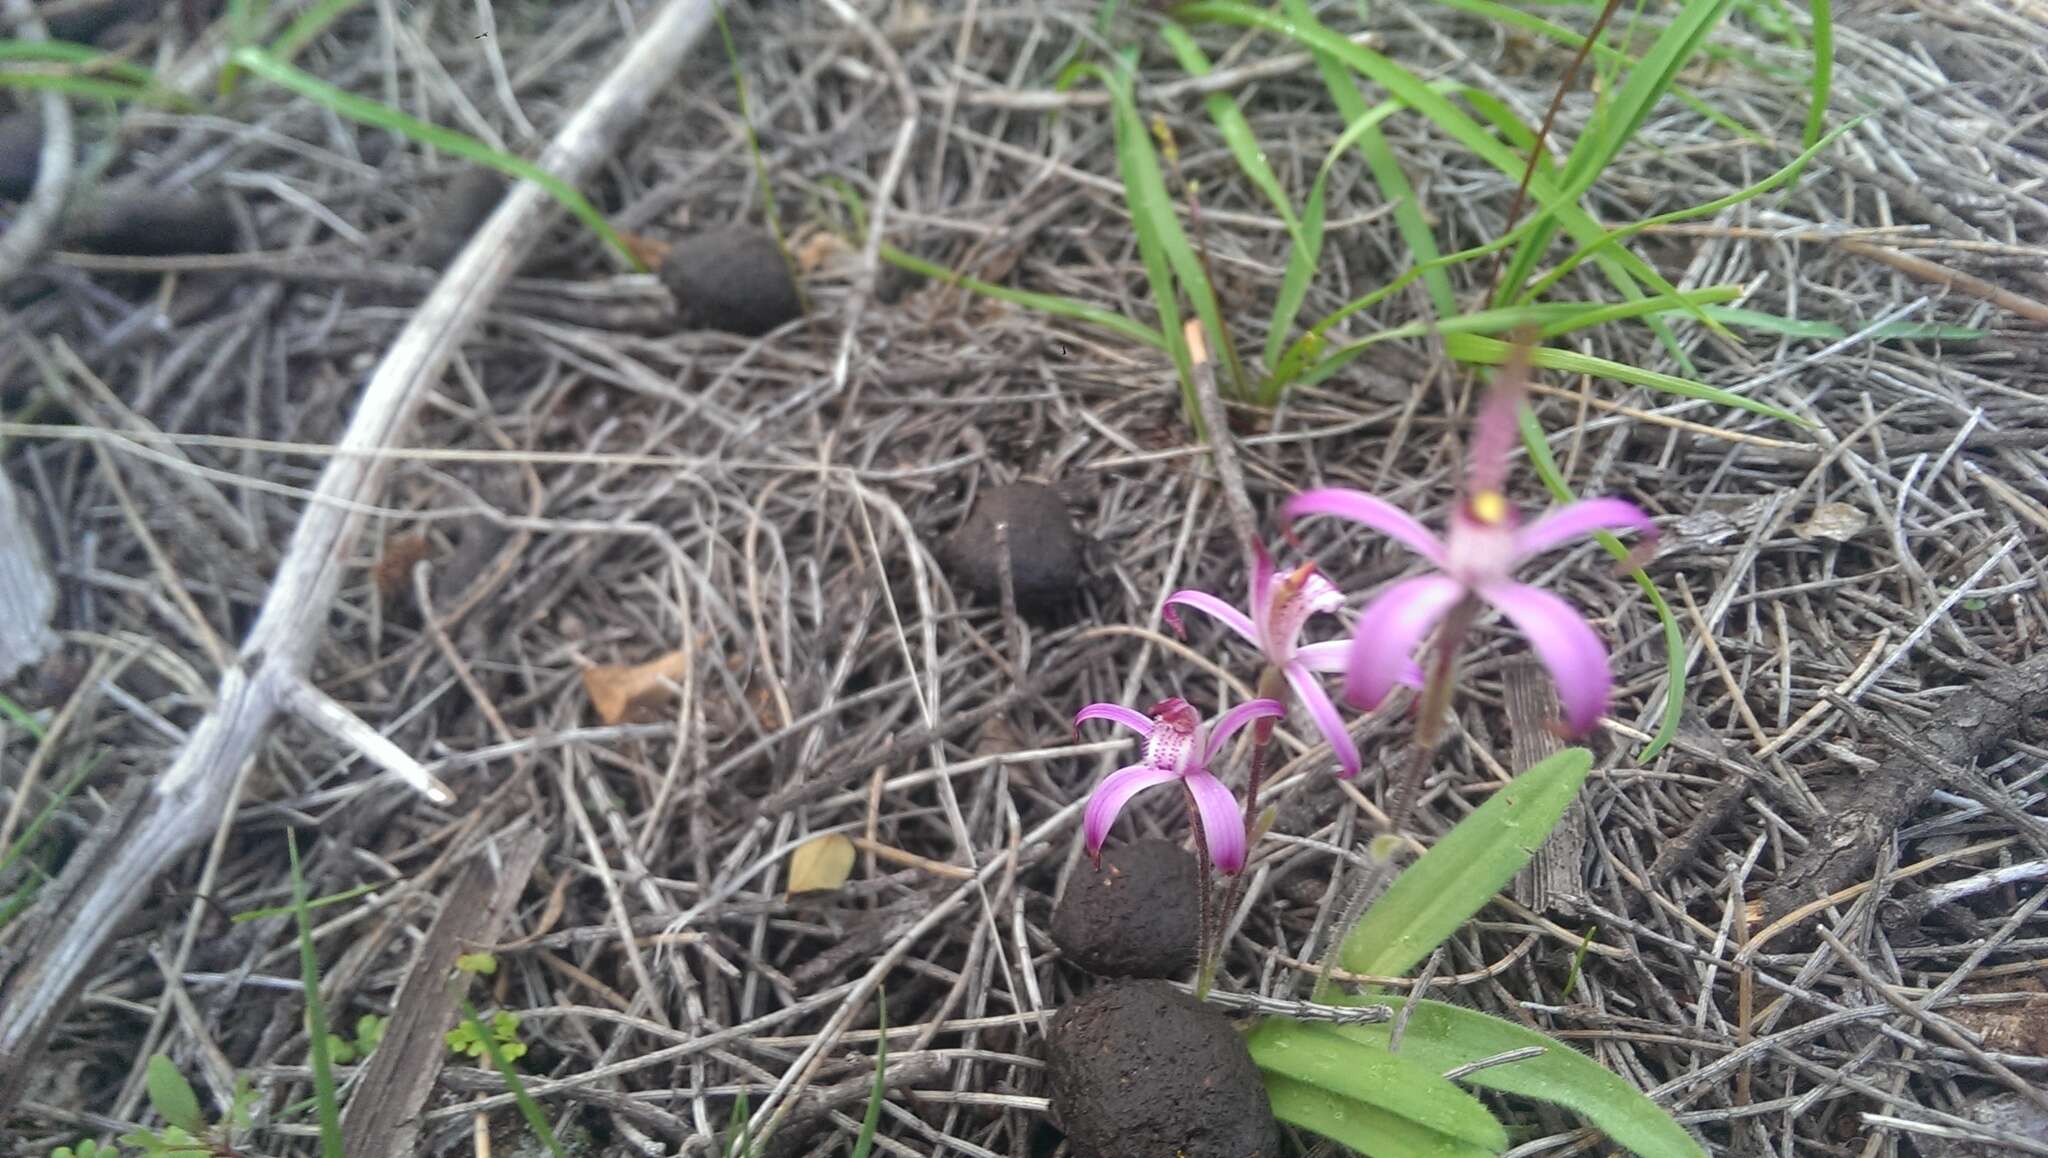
[1434,710]
[1205,966]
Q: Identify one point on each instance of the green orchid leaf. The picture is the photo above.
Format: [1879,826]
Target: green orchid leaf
[1465,870]
[1389,1082]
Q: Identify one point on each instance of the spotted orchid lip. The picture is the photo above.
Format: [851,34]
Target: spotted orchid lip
[1185,758]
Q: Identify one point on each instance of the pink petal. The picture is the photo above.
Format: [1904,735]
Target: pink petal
[1330,655]
[1495,429]
[1359,507]
[1566,644]
[1237,718]
[1383,647]
[1222,825]
[1285,617]
[1324,713]
[1262,592]
[1137,721]
[1566,523]
[1111,795]
[1213,607]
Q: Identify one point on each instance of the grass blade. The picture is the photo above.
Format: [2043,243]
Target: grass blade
[536,1118]
[1625,269]
[378,115]
[1380,161]
[307,26]
[872,1120]
[1054,304]
[316,1016]
[1823,70]
[1484,351]
[1674,642]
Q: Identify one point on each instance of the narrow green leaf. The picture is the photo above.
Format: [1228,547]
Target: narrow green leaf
[1829,331]
[1484,351]
[1465,870]
[20,718]
[1369,1130]
[501,1060]
[341,897]
[49,809]
[1444,1037]
[1057,306]
[369,112]
[1379,158]
[172,1096]
[86,57]
[1616,236]
[316,1015]
[1312,1055]
[1405,86]
[872,1120]
[307,26]
[1823,70]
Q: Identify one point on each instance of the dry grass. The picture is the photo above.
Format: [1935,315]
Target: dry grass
[594,489]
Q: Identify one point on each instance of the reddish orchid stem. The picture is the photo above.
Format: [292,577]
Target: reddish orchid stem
[1205,969]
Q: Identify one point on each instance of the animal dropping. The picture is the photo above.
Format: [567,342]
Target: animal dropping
[733,280]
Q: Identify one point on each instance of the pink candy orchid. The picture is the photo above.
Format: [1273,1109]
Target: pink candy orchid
[1476,561]
[1178,746]
[1280,607]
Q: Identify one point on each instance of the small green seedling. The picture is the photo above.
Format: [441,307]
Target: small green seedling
[481,963]
[369,1032]
[85,1149]
[185,1133]
[504,1029]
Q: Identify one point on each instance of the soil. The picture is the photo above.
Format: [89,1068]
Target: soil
[1046,565]
[1138,915]
[461,208]
[1140,1069]
[735,280]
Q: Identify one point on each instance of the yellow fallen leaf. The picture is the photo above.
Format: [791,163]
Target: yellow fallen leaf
[820,863]
[637,691]
[813,252]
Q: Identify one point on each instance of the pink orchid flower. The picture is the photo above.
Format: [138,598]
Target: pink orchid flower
[1280,607]
[1178,746]
[1476,562]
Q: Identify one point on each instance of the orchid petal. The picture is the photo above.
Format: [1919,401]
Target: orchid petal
[1262,593]
[1237,718]
[1222,824]
[1566,523]
[1494,431]
[1213,607]
[1383,647]
[1317,703]
[1379,514]
[1112,794]
[1566,644]
[1137,721]
[1330,655]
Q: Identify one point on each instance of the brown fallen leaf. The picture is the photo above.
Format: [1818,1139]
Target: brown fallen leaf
[1835,522]
[651,251]
[632,694]
[821,863]
[813,252]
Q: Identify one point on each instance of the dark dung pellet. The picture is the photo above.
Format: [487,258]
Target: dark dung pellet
[1135,916]
[733,280]
[1046,565]
[1140,1069]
